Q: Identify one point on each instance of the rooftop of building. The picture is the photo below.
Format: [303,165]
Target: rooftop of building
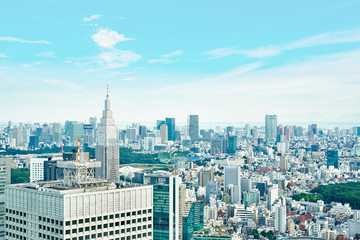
[58,187]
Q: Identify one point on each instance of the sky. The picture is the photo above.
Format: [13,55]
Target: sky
[227,61]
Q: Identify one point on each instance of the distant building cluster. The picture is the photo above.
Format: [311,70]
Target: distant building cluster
[226,182]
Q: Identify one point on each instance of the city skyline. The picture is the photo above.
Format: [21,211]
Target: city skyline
[234,67]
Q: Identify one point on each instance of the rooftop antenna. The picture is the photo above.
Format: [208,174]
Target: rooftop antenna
[62,149]
[78,153]
[107,90]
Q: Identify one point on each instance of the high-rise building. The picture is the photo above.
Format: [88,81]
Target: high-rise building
[107,148]
[332,158]
[142,131]
[193,220]
[232,144]
[166,203]
[284,165]
[246,184]
[88,134]
[170,122]
[205,176]
[56,133]
[164,133]
[34,142]
[232,176]
[270,127]
[5,178]
[95,210]
[217,146]
[194,127]
[280,216]
[149,143]
[212,189]
[37,169]
[272,195]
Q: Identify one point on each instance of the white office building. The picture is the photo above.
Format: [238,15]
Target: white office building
[280,216]
[48,210]
[37,169]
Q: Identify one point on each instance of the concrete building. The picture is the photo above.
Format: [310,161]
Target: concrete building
[270,127]
[205,176]
[194,127]
[37,169]
[5,178]
[280,216]
[80,207]
[232,176]
[107,148]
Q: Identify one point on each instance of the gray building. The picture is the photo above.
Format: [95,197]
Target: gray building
[194,127]
[205,176]
[107,147]
[5,178]
[270,127]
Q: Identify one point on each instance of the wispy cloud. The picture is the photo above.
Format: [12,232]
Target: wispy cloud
[336,37]
[128,79]
[173,54]
[46,54]
[28,65]
[165,57]
[63,84]
[92,17]
[117,58]
[161,60]
[14,39]
[3,55]
[107,38]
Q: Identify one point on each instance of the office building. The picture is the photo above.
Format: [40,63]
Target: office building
[332,158]
[218,146]
[246,185]
[205,176]
[149,143]
[88,134]
[33,142]
[193,220]
[170,123]
[194,127]
[164,133]
[280,216]
[92,209]
[270,127]
[272,196]
[284,164]
[212,189]
[56,133]
[107,148]
[5,178]
[232,176]
[232,144]
[166,203]
[37,169]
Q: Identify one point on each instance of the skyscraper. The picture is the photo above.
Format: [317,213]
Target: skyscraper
[205,176]
[164,133]
[170,122]
[107,148]
[166,203]
[280,216]
[194,127]
[232,176]
[270,127]
[332,157]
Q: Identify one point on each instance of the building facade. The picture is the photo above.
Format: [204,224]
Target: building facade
[107,147]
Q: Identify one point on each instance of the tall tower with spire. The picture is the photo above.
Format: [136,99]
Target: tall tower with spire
[107,147]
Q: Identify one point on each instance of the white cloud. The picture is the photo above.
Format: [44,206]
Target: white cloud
[173,54]
[161,60]
[165,57]
[117,58]
[107,38]
[128,79]
[46,54]
[327,38]
[14,39]
[92,17]
[63,84]
[28,65]
[3,55]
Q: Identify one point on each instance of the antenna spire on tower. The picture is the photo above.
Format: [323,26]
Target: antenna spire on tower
[107,90]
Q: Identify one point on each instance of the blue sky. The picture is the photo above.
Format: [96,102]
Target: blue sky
[229,61]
